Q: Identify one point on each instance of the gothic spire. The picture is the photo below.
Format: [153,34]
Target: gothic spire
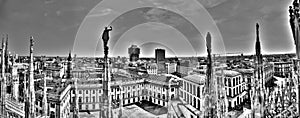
[257,46]
[6,54]
[31,81]
[3,78]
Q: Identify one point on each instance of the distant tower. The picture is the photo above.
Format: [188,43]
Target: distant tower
[210,97]
[258,92]
[31,82]
[160,55]
[160,60]
[3,81]
[134,53]
[69,68]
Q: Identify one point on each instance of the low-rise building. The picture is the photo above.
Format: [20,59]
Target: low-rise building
[235,86]
[283,69]
[191,94]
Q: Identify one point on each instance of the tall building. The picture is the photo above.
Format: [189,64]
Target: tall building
[160,60]
[134,53]
[160,55]
[69,66]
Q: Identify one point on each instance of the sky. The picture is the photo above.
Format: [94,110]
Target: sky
[56,24]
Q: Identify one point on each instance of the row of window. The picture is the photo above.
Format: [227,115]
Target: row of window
[191,88]
[87,91]
[87,99]
[232,92]
[195,102]
[234,81]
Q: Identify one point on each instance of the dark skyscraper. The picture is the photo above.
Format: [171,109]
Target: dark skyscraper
[69,66]
[134,53]
[160,55]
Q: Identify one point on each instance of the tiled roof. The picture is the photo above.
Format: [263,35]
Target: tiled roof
[159,78]
[250,70]
[228,73]
[196,78]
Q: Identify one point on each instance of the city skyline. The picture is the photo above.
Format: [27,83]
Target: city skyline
[54,26]
[233,58]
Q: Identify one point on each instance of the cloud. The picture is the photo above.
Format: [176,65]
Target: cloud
[156,26]
[102,12]
[58,12]
[65,28]
[164,16]
[49,1]
[211,3]
[2,7]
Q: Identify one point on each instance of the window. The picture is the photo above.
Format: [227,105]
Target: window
[94,107]
[94,99]
[198,91]
[80,92]
[93,91]
[87,91]
[86,107]
[198,104]
[80,99]
[87,99]
[172,89]
[52,105]
[100,91]
[233,82]
[190,88]
[194,93]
